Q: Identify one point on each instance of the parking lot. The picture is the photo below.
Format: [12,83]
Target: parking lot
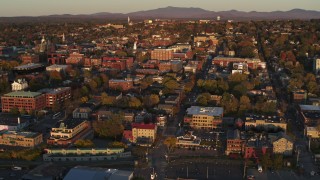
[205,169]
[279,175]
[9,174]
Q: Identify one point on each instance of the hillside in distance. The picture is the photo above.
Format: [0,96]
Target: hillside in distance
[175,13]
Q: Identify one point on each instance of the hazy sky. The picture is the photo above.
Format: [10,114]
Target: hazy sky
[47,7]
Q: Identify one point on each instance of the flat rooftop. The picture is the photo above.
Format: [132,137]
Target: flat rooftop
[25,134]
[28,66]
[69,123]
[22,94]
[58,66]
[210,111]
[273,119]
[309,108]
[54,91]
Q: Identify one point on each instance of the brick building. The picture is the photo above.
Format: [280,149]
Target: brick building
[117,62]
[89,62]
[226,61]
[28,101]
[121,84]
[256,147]
[58,95]
[235,144]
[75,59]
[162,54]
[29,58]
[56,58]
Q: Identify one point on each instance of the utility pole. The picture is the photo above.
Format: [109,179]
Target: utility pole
[309,144]
[187,172]
[298,157]
[207,173]
[244,169]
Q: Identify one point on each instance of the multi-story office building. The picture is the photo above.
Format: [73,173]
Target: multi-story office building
[204,117]
[23,139]
[266,122]
[121,84]
[144,131]
[316,65]
[162,54]
[67,132]
[58,95]
[23,100]
[235,144]
[29,58]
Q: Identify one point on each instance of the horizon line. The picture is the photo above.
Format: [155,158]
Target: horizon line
[124,13]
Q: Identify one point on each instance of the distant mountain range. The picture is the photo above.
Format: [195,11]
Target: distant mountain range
[177,13]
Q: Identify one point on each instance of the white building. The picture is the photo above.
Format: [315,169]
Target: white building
[316,65]
[19,85]
[57,67]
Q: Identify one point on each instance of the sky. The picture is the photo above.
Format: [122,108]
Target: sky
[10,8]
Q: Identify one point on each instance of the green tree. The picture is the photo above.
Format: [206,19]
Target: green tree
[171,84]
[14,111]
[56,107]
[278,161]
[84,143]
[266,161]
[170,142]
[202,100]
[134,102]
[312,87]
[188,87]
[151,100]
[109,128]
[239,90]
[107,100]
[244,104]
[229,103]
[117,144]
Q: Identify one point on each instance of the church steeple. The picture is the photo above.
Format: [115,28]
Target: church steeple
[63,38]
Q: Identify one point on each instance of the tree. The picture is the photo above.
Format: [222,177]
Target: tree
[107,100]
[109,128]
[146,82]
[170,142]
[151,100]
[84,143]
[237,78]
[312,87]
[229,103]
[56,107]
[171,84]
[239,90]
[244,104]
[117,144]
[188,87]
[266,161]
[247,52]
[134,102]
[93,85]
[14,111]
[278,161]
[105,80]
[121,54]
[202,100]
